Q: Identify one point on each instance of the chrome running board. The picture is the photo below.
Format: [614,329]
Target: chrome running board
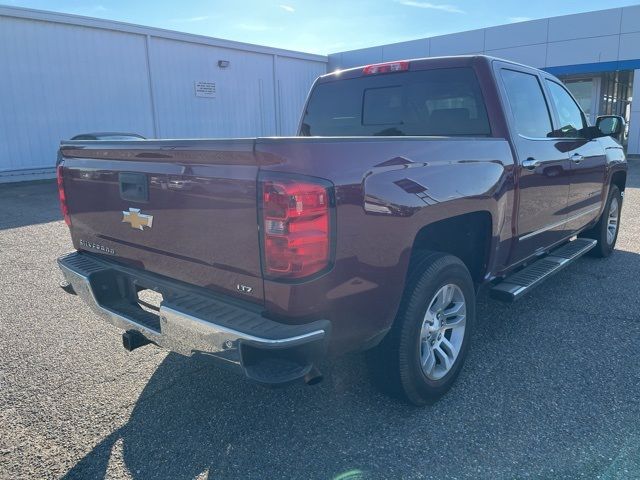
[516,285]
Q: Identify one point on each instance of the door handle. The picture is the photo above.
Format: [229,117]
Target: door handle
[531,163]
[576,158]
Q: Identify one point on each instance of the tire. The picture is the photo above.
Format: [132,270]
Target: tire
[601,231]
[397,363]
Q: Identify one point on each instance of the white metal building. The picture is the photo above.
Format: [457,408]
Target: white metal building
[596,54]
[63,75]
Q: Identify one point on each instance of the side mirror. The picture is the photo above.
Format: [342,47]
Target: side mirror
[610,125]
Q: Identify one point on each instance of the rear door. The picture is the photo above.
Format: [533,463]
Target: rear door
[543,168]
[587,158]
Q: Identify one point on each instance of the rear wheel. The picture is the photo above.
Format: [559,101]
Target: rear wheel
[606,230]
[422,355]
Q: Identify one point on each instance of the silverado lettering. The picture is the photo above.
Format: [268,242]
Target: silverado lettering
[95,246]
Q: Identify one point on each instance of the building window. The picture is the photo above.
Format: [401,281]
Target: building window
[610,94]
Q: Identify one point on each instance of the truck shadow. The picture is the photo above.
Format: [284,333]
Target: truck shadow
[194,417]
[536,394]
[28,203]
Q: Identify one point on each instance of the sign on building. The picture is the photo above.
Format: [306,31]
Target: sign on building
[205,89]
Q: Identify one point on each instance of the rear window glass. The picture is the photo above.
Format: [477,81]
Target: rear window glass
[429,102]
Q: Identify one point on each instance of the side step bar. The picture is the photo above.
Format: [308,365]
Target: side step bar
[516,285]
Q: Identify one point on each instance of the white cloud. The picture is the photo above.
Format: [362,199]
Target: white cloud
[432,6]
[519,19]
[86,10]
[191,19]
[288,8]
[252,27]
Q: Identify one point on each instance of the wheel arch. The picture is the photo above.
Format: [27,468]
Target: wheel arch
[619,179]
[466,236]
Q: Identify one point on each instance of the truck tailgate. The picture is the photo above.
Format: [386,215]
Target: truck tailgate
[185,209]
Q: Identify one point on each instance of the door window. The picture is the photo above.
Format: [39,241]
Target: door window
[569,114]
[584,91]
[529,108]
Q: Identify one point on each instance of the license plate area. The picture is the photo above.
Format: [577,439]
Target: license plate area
[149,299]
[134,187]
[118,293]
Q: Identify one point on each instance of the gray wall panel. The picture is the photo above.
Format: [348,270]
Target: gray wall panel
[359,57]
[534,55]
[629,46]
[516,34]
[584,50]
[630,19]
[458,43]
[584,25]
[404,50]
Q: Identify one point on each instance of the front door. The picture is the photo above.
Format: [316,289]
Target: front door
[543,169]
[587,159]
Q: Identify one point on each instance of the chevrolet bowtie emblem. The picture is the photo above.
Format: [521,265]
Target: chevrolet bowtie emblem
[136,219]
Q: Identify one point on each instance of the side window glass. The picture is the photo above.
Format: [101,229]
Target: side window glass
[569,114]
[527,103]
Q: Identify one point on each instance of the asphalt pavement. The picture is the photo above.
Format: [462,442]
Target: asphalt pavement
[551,388]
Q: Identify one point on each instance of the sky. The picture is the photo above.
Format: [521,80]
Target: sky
[319,26]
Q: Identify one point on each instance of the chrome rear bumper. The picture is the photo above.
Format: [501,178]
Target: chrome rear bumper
[190,320]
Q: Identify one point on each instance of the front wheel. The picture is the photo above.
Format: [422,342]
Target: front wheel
[605,232]
[423,353]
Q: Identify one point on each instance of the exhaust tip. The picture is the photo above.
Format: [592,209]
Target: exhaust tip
[313,377]
[132,339]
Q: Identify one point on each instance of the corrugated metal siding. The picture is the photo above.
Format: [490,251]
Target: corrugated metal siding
[295,78]
[63,75]
[243,105]
[59,80]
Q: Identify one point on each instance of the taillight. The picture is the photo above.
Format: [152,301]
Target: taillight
[296,227]
[388,67]
[63,199]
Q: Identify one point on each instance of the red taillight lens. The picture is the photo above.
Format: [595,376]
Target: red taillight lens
[62,196]
[296,227]
[385,68]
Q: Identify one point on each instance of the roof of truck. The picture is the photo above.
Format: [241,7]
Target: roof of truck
[423,63]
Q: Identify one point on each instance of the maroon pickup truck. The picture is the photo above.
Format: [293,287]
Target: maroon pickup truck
[410,186]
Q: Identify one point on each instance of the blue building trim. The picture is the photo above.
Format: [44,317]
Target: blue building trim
[594,67]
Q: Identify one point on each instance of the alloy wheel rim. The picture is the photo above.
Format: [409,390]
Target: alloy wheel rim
[442,331]
[612,221]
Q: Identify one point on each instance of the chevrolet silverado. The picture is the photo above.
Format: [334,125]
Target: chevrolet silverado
[411,186]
